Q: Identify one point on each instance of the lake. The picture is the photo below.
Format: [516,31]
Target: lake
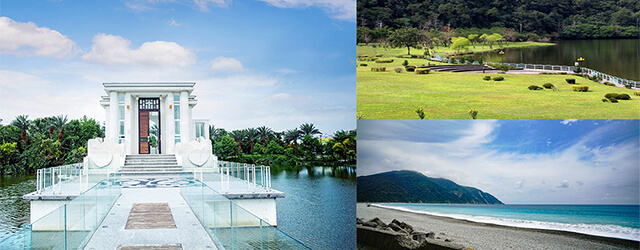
[319,206]
[617,57]
[15,211]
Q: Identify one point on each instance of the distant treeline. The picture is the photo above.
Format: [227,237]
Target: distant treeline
[553,19]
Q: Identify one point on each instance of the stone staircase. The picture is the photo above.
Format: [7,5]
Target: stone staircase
[151,165]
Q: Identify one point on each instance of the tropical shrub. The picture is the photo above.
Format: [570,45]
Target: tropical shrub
[486,78]
[547,85]
[535,87]
[398,70]
[422,71]
[409,68]
[504,67]
[384,60]
[420,112]
[405,63]
[473,113]
[498,78]
[378,69]
[580,88]
[571,80]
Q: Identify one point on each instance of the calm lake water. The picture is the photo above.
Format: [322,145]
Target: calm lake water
[319,206]
[14,211]
[618,57]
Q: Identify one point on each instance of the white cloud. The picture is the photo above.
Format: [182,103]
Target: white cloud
[339,9]
[226,64]
[287,71]
[173,22]
[27,39]
[113,50]
[564,184]
[203,4]
[568,121]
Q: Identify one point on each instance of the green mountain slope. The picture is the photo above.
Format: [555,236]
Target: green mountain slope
[414,187]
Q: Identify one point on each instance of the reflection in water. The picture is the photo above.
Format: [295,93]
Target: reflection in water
[14,211]
[618,57]
[319,205]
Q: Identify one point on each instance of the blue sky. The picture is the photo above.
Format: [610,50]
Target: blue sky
[518,161]
[277,63]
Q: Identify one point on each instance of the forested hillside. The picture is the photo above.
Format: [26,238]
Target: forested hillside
[568,19]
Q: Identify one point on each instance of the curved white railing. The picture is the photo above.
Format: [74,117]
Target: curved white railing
[250,173]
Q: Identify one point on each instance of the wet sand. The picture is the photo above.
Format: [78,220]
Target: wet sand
[488,236]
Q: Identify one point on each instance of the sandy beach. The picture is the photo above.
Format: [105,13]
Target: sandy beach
[488,236]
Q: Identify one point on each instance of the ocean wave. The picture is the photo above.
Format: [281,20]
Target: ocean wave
[612,231]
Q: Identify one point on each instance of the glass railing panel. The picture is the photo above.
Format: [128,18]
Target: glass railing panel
[49,231]
[18,240]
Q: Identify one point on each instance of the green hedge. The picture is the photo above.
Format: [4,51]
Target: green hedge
[498,78]
[535,87]
[378,69]
[384,60]
[422,71]
[547,85]
[571,81]
[616,96]
[486,78]
[580,88]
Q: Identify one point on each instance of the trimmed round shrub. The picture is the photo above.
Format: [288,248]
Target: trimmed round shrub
[580,88]
[422,71]
[547,85]
[384,60]
[610,84]
[498,78]
[535,87]
[613,100]
[364,65]
[605,100]
[398,70]
[637,92]
[610,95]
[486,78]
[571,80]
[623,97]
[410,68]
[378,69]
[405,63]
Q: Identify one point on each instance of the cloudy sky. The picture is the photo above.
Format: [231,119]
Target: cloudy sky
[518,161]
[277,63]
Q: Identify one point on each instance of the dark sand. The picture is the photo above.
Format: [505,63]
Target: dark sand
[488,236]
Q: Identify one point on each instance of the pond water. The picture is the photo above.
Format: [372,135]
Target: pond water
[14,211]
[617,57]
[319,206]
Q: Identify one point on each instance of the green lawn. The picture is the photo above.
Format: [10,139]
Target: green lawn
[390,95]
[441,50]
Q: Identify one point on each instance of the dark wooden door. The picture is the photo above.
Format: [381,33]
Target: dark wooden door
[144,132]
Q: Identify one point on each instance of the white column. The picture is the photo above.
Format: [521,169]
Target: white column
[185,119]
[112,123]
[170,130]
[128,118]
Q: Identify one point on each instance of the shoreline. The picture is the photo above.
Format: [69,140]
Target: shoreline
[478,235]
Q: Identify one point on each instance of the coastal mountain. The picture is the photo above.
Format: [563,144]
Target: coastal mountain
[414,187]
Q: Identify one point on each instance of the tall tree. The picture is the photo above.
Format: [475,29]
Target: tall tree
[238,136]
[59,122]
[405,37]
[292,135]
[309,129]
[22,122]
[264,133]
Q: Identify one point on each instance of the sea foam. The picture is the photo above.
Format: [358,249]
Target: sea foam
[612,231]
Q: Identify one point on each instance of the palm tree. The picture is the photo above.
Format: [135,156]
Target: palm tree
[252,134]
[309,129]
[238,136]
[292,135]
[265,133]
[59,122]
[216,133]
[22,122]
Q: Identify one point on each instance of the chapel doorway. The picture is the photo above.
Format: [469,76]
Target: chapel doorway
[149,139]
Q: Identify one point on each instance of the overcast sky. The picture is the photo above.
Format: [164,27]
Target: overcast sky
[277,63]
[518,161]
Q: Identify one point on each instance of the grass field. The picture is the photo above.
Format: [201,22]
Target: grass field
[442,95]
[441,50]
